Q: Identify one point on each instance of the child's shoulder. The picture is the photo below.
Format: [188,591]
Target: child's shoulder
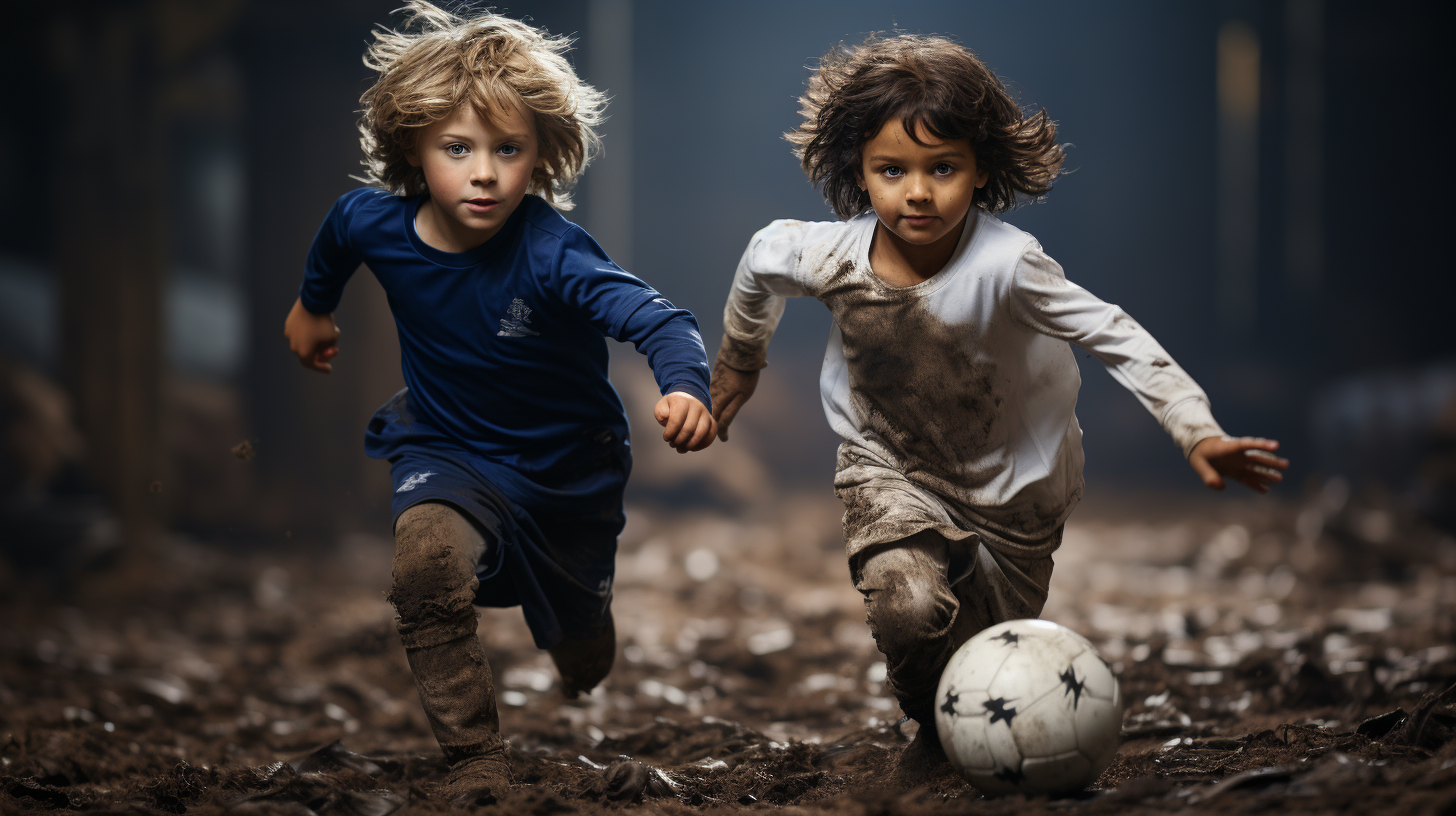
[993,229]
[360,204]
[370,196]
[546,223]
[786,243]
[810,232]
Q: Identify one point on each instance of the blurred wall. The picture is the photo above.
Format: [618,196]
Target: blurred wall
[249,108]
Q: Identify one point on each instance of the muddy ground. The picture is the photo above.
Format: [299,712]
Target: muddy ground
[1275,656]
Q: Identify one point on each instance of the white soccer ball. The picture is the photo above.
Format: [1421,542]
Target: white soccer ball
[1027,706]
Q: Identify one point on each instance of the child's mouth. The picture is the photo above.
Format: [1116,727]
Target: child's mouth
[481,205]
[918,220]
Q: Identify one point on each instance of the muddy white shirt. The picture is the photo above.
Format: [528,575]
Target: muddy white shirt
[954,396]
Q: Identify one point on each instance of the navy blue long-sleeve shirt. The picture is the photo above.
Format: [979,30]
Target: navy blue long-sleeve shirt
[503,347]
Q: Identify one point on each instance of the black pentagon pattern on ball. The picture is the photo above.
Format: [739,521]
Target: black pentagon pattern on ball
[1008,637]
[1074,686]
[999,711]
[951,698]
[1012,775]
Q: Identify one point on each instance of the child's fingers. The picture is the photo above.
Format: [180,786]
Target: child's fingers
[673,425]
[1247,442]
[1206,472]
[316,360]
[689,427]
[1268,459]
[702,434]
[1259,477]
[726,414]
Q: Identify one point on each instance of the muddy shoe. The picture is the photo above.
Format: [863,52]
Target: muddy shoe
[584,661]
[921,762]
[480,779]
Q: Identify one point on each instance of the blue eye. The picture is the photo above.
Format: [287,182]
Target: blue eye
[509,150]
[457,149]
[893,172]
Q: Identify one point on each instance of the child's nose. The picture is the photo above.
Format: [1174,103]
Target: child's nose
[483,172]
[917,189]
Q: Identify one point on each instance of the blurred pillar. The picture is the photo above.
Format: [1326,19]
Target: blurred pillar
[609,64]
[303,83]
[1237,248]
[1304,150]
[109,237]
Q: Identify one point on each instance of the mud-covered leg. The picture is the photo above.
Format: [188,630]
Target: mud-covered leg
[911,612]
[585,661]
[436,550]
[1000,587]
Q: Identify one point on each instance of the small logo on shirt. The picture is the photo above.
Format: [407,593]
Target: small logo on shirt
[515,324]
[414,480]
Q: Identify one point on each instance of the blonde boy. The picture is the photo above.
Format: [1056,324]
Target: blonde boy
[508,449]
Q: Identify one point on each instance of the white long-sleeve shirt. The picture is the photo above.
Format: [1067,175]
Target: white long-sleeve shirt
[954,396]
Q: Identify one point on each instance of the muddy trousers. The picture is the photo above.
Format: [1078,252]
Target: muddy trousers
[926,596]
[436,552]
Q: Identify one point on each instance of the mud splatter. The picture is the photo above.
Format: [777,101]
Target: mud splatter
[192,696]
[914,381]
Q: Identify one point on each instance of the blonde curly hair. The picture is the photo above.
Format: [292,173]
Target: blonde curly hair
[438,60]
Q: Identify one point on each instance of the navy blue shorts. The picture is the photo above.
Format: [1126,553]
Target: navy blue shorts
[557,566]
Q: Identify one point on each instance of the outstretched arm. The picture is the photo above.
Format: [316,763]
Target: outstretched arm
[1045,301]
[313,337]
[1245,459]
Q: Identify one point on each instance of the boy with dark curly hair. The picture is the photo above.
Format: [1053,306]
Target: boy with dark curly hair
[948,371]
[508,449]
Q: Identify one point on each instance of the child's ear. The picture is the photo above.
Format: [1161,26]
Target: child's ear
[412,156]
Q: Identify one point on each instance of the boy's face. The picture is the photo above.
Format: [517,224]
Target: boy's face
[477,170]
[920,190]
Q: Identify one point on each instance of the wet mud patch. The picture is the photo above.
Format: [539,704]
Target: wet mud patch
[914,379]
[1273,659]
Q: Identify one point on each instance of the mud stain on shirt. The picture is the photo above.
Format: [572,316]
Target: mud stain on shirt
[913,378]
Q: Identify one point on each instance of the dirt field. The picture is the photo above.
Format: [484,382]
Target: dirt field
[1295,657]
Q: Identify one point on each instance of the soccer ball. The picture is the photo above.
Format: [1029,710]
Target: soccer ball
[1027,706]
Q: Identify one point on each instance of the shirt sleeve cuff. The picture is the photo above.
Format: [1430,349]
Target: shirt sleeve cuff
[1190,422]
[741,355]
[314,306]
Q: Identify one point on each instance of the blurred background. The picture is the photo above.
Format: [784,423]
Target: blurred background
[1258,183]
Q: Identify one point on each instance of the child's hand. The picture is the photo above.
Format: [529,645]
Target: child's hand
[730,389]
[1245,459]
[313,337]
[686,423]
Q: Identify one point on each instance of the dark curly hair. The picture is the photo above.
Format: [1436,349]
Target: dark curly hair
[929,81]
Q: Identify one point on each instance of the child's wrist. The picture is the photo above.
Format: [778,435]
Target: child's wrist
[739,356]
